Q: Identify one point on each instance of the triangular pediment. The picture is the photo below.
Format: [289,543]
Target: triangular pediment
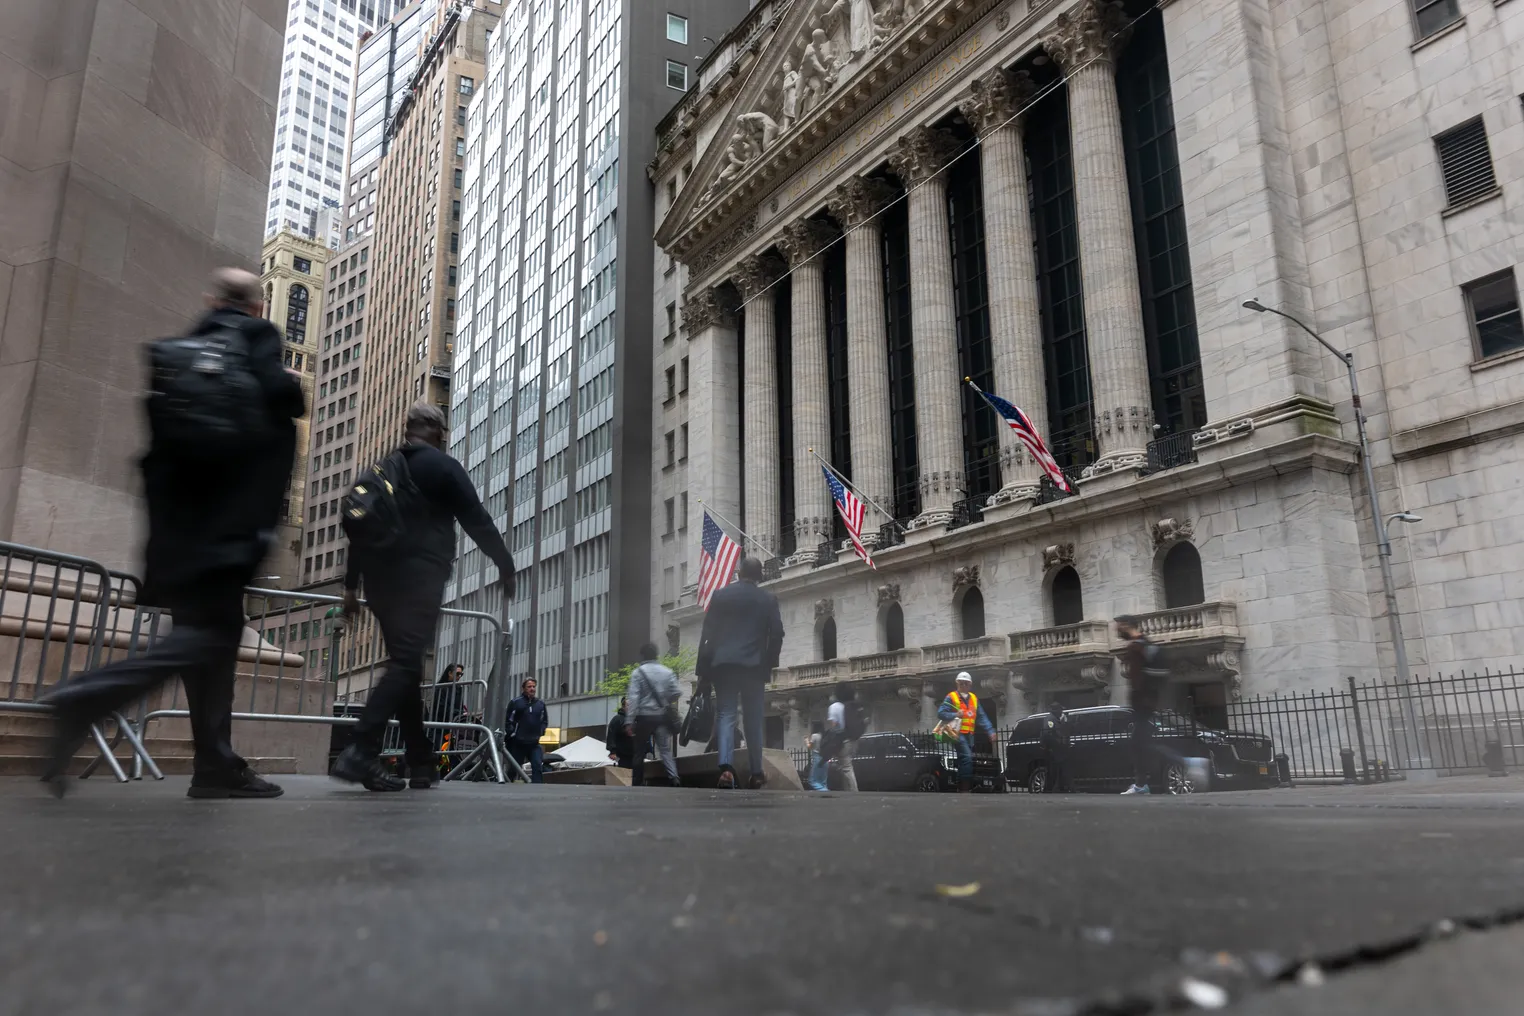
[790,98]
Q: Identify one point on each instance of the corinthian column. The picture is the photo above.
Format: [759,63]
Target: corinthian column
[752,277]
[938,395]
[854,204]
[1084,42]
[993,106]
[714,462]
[802,243]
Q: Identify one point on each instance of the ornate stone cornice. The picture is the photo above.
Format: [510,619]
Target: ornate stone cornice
[859,199]
[1090,31]
[705,307]
[729,241]
[754,274]
[922,152]
[996,99]
[802,240]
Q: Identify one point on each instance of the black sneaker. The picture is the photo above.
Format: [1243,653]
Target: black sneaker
[422,775]
[353,767]
[243,783]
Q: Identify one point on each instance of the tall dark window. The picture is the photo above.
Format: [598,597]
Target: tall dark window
[1060,295]
[981,439]
[828,639]
[296,315]
[1158,215]
[836,372]
[1068,599]
[1181,571]
[783,301]
[896,232]
[971,614]
[894,627]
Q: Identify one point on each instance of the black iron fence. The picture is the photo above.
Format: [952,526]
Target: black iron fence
[1367,731]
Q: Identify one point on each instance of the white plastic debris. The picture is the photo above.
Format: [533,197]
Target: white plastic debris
[1310,976]
[1203,994]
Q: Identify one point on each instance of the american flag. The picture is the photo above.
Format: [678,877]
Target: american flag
[717,561]
[852,511]
[1028,436]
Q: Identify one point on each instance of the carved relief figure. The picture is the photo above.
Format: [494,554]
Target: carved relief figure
[741,151]
[790,109]
[763,128]
[862,26]
[817,67]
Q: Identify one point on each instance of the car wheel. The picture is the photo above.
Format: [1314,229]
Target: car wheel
[1037,779]
[928,783]
[1177,780]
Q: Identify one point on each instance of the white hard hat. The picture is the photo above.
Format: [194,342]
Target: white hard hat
[964,675]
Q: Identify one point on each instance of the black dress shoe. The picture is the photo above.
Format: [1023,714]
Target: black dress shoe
[69,735]
[353,767]
[422,775]
[243,783]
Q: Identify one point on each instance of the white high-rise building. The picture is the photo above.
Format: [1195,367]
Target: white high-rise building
[307,168]
[550,395]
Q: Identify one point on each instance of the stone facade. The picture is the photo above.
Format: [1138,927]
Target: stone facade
[1308,179]
[135,156]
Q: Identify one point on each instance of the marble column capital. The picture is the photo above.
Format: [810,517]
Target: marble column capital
[800,241]
[754,274]
[1090,31]
[922,152]
[859,198]
[705,307]
[997,99]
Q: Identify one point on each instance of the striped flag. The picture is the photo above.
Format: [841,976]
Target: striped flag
[852,511]
[1028,436]
[718,558]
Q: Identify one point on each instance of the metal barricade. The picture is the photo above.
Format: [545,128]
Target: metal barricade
[300,666]
[59,615]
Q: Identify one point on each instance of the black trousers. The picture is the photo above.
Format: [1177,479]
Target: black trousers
[201,649]
[406,605]
[1058,772]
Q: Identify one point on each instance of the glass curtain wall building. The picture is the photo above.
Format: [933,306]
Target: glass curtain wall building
[316,92]
[550,400]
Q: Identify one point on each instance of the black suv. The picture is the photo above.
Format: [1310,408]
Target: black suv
[1100,753]
[892,761]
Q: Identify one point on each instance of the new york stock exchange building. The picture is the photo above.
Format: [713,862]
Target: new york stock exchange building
[864,202]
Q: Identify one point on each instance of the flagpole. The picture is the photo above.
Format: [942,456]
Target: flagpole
[853,488]
[744,534]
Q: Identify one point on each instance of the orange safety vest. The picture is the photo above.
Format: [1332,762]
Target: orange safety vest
[968,711]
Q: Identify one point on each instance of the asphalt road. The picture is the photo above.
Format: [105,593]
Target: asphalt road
[477,898]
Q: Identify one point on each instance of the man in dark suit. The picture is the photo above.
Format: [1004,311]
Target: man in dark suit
[738,649]
[210,523]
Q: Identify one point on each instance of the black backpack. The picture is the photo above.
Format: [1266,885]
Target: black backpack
[856,721]
[375,511]
[204,399]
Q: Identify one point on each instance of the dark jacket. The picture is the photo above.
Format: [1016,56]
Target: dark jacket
[1055,731]
[207,518]
[1145,673]
[618,740]
[742,634]
[447,497]
[526,721]
[448,703]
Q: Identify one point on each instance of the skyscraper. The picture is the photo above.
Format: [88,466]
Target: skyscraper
[550,398]
[316,89]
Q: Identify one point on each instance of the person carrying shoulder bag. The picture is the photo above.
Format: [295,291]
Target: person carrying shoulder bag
[652,716]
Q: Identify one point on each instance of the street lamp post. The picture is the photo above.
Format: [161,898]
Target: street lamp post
[1383,541]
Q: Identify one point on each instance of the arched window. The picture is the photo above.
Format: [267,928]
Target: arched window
[894,628]
[971,610]
[1181,570]
[1068,603]
[828,639]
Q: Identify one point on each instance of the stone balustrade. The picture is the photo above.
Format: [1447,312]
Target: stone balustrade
[1201,620]
[988,649]
[1086,636]
[895,661]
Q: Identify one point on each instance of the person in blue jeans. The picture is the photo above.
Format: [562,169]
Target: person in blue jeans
[738,649]
[523,726]
[961,709]
[818,771]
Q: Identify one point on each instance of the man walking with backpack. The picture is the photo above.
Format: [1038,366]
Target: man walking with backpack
[402,543]
[1143,666]
[652,714]
[845,723]
[221,447]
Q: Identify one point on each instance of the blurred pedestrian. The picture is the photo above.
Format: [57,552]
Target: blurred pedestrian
[961,708]
[1055,745]
[739,646]
[819,767]
[221,444]
[404,551]
[617,738]
[845,723]
[1143,667]
[524,724]
[652,714]
[448,705]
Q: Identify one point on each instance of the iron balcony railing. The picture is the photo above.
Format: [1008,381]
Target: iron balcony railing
[1170,451]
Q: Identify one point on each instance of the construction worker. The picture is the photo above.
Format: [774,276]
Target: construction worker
[961,707]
